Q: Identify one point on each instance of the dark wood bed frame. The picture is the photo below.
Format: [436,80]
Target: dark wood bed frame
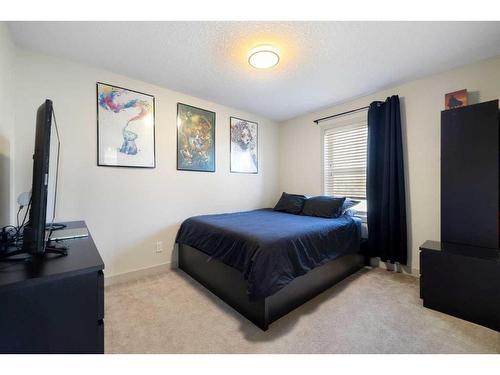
[228,284]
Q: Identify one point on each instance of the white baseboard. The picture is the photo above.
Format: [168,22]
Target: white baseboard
[167,267]
[138,274]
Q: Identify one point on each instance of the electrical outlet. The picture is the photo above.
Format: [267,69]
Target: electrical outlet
[159,246]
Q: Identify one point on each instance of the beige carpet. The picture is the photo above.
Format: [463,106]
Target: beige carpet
[373,311]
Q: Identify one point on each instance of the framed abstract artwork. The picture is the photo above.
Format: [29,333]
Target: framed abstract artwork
[125,127]
[195,139]
[244,146]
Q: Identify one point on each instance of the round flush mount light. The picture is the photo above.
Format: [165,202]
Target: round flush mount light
[263,57]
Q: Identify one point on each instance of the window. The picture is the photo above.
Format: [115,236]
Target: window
[344,157]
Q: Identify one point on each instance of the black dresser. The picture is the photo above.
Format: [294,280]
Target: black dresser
[463,281]
[54,306]
[460,275]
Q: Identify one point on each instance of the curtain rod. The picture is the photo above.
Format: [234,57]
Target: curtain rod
[340,114]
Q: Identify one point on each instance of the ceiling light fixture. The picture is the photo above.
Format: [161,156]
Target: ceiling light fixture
[263,57]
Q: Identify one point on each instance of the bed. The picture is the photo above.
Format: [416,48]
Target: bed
[265,263]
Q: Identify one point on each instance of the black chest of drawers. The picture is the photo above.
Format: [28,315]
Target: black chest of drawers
[460,275]
[56,305]
[463,281]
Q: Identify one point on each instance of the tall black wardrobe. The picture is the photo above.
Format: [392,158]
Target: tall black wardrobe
[461,274]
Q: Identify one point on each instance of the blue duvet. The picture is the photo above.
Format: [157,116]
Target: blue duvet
[271,248]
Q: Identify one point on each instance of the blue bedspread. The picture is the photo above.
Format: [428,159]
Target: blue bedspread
[271,248]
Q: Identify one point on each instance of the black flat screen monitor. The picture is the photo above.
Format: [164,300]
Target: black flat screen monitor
[34,235]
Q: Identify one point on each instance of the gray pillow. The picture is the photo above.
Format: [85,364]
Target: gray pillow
[347,206]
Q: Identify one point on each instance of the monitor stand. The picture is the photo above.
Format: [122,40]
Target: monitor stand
[54,249]
[49,249]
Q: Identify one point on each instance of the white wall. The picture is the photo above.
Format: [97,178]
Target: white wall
[127,209]
[7,55]
[421,104]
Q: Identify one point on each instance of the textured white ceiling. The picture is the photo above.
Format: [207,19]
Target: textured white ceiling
[322,63]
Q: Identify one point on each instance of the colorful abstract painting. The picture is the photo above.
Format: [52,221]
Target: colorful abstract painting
[244,139]
[125,127]
[195,139]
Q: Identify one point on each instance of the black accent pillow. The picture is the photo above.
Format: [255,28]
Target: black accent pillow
[291,203]
[323,206]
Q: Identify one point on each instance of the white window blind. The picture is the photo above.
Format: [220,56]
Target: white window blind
[344,159]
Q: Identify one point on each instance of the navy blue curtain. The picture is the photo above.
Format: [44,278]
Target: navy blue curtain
[385,186]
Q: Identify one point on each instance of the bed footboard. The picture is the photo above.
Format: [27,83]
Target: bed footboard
[229,285]
[224,281]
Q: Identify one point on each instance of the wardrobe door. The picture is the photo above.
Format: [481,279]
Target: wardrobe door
[470,175]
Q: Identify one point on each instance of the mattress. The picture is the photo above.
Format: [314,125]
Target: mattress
[364,231]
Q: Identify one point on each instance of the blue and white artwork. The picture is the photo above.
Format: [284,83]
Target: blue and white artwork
[244,146]
[126,127]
